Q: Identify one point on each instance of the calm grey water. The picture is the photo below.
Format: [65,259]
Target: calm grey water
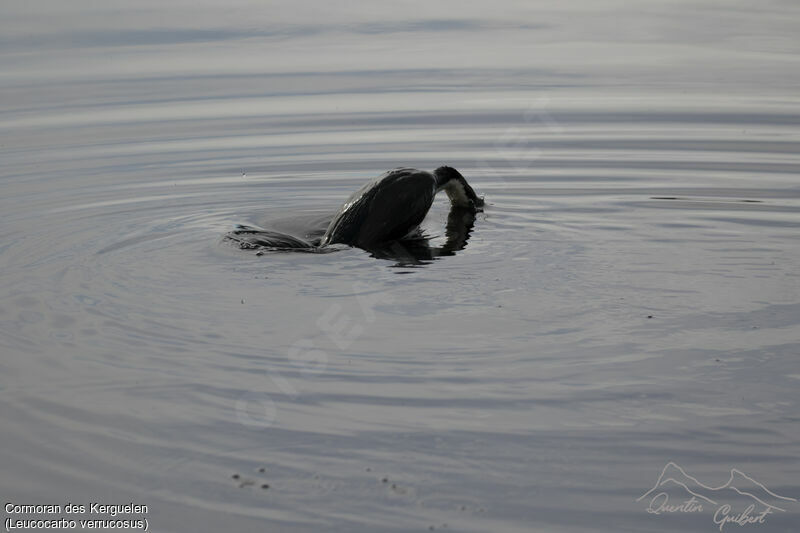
[629,297]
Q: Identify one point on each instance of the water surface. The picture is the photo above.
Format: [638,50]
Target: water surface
[629,297]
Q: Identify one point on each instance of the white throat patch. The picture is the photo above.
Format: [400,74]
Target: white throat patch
[455,191]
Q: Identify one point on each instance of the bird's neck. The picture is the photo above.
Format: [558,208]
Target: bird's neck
[456,192]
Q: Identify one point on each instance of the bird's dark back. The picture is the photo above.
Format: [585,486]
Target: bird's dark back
[385,209]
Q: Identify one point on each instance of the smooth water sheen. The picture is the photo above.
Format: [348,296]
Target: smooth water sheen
[629,297]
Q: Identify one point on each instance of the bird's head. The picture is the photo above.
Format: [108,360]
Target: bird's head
[460,192]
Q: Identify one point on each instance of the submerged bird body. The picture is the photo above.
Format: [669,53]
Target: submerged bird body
[385,210]
[393,206]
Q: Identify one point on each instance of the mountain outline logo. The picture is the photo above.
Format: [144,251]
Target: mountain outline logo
[759,501]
